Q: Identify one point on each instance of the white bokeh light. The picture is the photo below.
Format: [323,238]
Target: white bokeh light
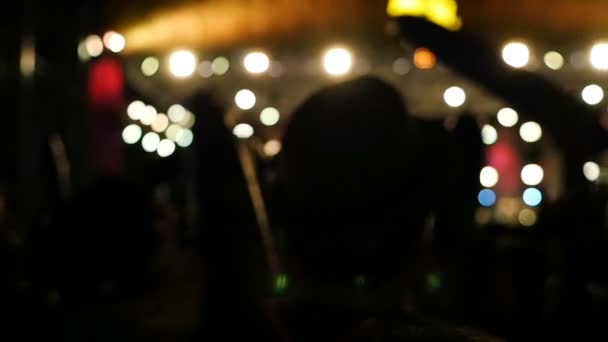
[256,62]
[507,117]
[173,131]
[165,148]
[148,115]
[160,124]
[592,94]
[150,142]
[489,135]
[516,54]
[532,174]
[150,66]
[131,134]
[182,63]
[337,61]
[270,116]
[177,113]
[184,137]
[136,110]
[220,66]
[592,171]
[554,60]
[599,56]
[114,41]
[245,99]
[455,97]
[530,132]
[272,148]
[488,177]
[93,45]
[243,131]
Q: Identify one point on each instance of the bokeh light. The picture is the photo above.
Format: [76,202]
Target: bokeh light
[150,66]
[337,61]
[173,131]
[532,174]
[530,132]
[527,217]
[256,62]
[205,69]
[516,54]
[424,59]
[441,12]
[83,54]
[136,110]
[272,148]
[165,148]
[184,137]
[220,66]
[401,66]
[93,45]
[533,197]
[592,171]
[592,94]
[487,198]
[488,177]
[454,97]
[150,142]
[270,116]
[245,99]
[182,63]
[599,56]
[131,134]
[148,115]
[489,135]
[189,120]
[160,124]
[243,131]
[177,113]
[507,117]
[114,41]
[554,60]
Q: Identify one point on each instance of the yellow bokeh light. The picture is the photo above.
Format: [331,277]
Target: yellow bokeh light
[256,62]
[599,56]
[272,148]
[338,61]
[516,54]
[441,12]
[150,66]
[527,217]
[182,63]
[554,60]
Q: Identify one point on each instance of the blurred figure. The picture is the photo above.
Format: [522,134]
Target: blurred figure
[355,201]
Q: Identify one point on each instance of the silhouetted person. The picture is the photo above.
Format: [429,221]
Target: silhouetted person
[354,197]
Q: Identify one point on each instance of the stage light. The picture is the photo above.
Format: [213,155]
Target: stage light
[182,63]
[516,54]
[338,61]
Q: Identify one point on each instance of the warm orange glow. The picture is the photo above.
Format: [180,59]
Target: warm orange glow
[424,58]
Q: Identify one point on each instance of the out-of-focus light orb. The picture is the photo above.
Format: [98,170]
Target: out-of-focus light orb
[554,60]
[533,197]
[424,59]
[182,63]
[173,131]
[150,142]
[530,132]
[489,135]
[243,131]
[599,56]
[507,117]
[93,45]
[532,174]
[131,134]
[165,148]
[148,115]
[401,66]
[136,110]
[337,61]
[487,198]
[245,99]
[220,66]
[189,120]
[114,41]
[272,148]
[160,124]
[205,69]
[83,54]
[578,60]
[516,54]
[184,137]
[177,113]
[527,217]
[256,62]
[488,177]
[150,66]
[593,94]
[455,97]
[270,116]
[592,171]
